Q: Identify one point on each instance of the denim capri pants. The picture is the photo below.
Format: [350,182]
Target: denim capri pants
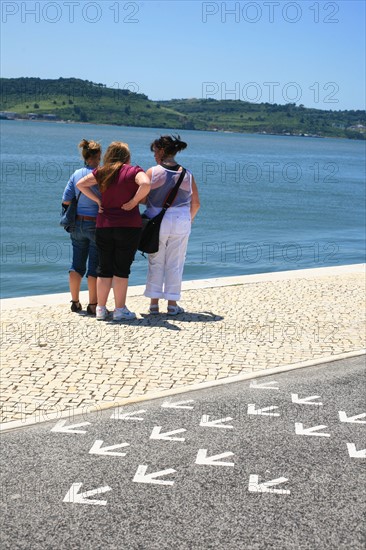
[84,249]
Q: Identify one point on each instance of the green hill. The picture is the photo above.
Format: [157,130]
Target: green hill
[78,100]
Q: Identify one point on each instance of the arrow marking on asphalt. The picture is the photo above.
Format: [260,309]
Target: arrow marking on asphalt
[142,477]
[61,428]
[266,486]
[353,419]
[156,434]
[97,449]
[265,411]
[118,415]
[213,460]
[75,497]
[300,430]
[177,404]
[215,423]
[353,453]
[264,385]
[305,400]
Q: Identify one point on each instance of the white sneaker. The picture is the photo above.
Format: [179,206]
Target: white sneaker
[122,313]
[101,313]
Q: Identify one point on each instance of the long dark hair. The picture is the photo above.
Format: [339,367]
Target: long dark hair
[171,145]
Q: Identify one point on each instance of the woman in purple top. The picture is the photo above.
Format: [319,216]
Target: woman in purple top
[122,187]
[84,249]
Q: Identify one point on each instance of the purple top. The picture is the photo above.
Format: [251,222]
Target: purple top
[120,191]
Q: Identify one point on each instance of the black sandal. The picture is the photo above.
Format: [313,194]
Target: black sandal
[91,309]
[76,306]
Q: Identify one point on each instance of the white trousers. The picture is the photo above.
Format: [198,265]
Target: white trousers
[165,270]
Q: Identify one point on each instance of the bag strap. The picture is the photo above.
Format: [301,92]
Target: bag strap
[173,193]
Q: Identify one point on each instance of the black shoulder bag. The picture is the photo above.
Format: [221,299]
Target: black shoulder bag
[149,240]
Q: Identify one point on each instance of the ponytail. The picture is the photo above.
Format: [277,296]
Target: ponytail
[171,145]
[89,148]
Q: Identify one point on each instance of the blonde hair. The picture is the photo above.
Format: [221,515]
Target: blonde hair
[89,148]
[116,155]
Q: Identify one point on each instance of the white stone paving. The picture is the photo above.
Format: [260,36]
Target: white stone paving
[53,360]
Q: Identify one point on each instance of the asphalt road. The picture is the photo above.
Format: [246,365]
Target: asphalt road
[275,463]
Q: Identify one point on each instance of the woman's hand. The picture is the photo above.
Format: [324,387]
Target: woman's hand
[100,207]
[130,205]
[143,181]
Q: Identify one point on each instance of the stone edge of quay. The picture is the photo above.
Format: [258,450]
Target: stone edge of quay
[42,300]
[18,424]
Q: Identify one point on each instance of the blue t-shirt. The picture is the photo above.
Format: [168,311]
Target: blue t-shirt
[86,207]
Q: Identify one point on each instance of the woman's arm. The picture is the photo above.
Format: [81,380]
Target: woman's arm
[195,201]
[69,193]
[149,175]
[84,186]
[143,181]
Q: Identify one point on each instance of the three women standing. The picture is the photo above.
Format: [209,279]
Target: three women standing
[118,224]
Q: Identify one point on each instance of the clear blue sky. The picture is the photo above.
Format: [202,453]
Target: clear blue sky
[309,52]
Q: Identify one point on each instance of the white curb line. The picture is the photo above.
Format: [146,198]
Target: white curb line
[18,424]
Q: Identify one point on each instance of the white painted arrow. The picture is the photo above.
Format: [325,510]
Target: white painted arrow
[213,460]
[266,487]
[177,404]
[300,430]
[265,411]
[353,419]
[353,453]
[97,449]
[82,498]
[155,434]
[60,427]
[118,415]
[305,400]
[142,477]
[264,385]
[215,423]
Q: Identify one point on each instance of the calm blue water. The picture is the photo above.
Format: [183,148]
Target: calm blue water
[269,203]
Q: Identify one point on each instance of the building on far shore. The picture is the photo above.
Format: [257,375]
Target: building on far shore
[39,116]
[357,128]
[7,115]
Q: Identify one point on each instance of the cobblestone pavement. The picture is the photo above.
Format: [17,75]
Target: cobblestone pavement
[54,360]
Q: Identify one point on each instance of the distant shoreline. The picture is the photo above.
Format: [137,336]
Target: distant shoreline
[67,100]
[216,131]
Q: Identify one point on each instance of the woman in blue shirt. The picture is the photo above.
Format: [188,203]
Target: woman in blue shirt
[84,249]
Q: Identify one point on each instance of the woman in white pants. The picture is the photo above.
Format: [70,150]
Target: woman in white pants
[165,271]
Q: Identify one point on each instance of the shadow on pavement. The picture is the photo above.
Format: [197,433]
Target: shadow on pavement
[164,320]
